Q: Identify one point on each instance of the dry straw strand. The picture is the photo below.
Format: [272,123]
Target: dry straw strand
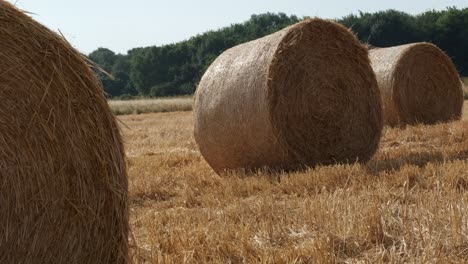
[63,191]
[419,84]
[302,96]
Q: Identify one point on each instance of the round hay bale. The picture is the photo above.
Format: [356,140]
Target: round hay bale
[303,96]
[418,83]
[63,183]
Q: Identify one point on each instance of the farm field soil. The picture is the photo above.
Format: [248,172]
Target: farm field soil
[154,105]
[409,203]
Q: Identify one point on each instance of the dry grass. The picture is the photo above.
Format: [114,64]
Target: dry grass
[158,105]
[410,203]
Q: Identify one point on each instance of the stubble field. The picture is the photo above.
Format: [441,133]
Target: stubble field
[408,204]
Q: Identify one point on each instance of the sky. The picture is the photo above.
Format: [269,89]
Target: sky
[122,25]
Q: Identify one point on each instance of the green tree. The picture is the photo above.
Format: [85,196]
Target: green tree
[176,69]
[105,58]
[451,34]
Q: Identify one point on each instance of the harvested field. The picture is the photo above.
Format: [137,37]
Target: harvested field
[156,105]
[409,203]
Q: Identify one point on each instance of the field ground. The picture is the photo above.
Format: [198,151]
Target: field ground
[158,105]
[408,204]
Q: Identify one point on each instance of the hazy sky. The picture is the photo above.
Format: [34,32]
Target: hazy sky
[121,25]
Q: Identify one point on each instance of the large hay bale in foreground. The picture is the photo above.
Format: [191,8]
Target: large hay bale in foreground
[63,184]
[305,95]
[418,83]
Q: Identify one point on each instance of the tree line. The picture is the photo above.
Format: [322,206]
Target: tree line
[175,69]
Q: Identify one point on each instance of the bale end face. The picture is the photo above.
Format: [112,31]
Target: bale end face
[419,84]
[325,105]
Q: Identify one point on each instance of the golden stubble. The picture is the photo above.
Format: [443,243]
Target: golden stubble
[409,203]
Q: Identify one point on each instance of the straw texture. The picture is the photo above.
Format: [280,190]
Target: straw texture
[418,83]
[63,184]
[303,96]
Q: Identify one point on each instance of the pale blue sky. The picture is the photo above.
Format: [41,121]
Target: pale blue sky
[121,25]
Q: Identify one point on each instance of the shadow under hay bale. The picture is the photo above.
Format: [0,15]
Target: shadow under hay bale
[63,191]
[303,96]
[418,83]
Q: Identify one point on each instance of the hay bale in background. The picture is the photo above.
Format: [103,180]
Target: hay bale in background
[63,191]
[418,83]
[305,95]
